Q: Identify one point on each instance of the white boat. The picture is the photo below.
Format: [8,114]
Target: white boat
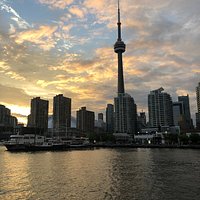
[21,142]
[80,142]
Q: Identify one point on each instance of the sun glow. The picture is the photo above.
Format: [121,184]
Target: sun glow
[21,112]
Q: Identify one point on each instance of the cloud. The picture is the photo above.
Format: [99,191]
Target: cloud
[6,70]
[43,37]
[56,4]
[22,23]
[73,52]
[14,96]
[95,4]
[77,11]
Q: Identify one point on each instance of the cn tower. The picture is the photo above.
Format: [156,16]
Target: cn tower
[120,48]
[124,104]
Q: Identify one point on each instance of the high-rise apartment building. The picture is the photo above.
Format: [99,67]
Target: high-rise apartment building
[178,113]
[100,116]
[125,114]
[4,116]
[141,121]
[186,111]
[61,114]
[125,107]
[198,106]
[160,108]
[38,117]
[198,97]
[85,120]
[110,118]
[6,119]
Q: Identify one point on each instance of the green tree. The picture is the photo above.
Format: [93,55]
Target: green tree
[184,139]
[195,138]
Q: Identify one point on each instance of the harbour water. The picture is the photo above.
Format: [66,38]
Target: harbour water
[121,174]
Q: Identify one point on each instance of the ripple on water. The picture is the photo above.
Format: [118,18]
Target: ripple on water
[101,174]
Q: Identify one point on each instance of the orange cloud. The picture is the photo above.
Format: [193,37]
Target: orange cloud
[196,70]
[95,4]
[77,11]
[43,37]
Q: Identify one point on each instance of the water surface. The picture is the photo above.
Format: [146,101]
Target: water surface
[121,174]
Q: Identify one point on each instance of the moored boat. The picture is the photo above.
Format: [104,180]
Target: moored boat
[80,142]
[21,142]
[31,142]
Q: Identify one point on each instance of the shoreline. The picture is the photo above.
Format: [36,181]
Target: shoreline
[150,146]
[112,146]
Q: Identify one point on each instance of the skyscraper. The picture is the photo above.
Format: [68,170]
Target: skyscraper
[100,116]
[178,112]
[6,119]
[61,114]
[125,107]
[141,121]
[38,117]
[198,106]
[4,116]
[125,114]
[110,118]
[160,108]
[186,111]
[85,120]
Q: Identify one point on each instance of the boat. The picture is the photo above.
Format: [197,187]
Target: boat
[31,142]
[80,142]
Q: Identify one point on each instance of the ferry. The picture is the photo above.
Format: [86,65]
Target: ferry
[21,142]
[31,142]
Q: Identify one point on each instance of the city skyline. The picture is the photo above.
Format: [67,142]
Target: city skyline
[71,43]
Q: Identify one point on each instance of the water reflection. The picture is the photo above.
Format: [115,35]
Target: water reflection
[100,174]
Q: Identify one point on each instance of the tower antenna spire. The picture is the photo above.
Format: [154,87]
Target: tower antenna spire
[119,48]
[119,23]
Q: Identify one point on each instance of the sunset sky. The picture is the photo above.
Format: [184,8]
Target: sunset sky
[48,47]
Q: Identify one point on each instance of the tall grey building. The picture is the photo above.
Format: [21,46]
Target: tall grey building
[160,108]
[125,114]
[198,106]
[141,121]
[125,107]
[85,120]
[186,111]
[61,114]
[178,112]
[38,117]
[100,116]
[110,118]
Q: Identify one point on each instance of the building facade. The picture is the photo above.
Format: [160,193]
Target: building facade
[38,117]
[198,106]
[100,116]
[110,118]
[160,108]
[125,114]
[85,120]
[186,111]
[141,121]
[6,119]
[178,113]
[61,114]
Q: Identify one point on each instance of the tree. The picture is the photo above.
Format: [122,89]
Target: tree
[184,139]
[195,138]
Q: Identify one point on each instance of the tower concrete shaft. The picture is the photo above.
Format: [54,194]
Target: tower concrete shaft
[120,48]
